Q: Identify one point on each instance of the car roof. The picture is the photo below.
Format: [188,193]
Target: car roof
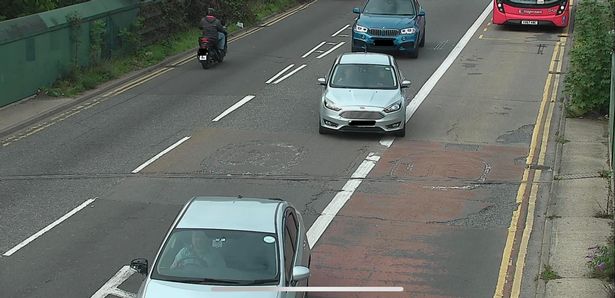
[365,58]
[231,213]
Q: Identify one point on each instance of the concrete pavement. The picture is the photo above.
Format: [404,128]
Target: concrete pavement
[575,219]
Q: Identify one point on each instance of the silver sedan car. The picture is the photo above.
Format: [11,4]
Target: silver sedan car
[218,246]
[364,92]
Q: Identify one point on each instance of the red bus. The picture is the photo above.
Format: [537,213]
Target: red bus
[531,12]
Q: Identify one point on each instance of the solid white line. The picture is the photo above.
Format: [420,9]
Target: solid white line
[234,107]
[147,163]
[331,50]
[279,73]
[47,228]
[327,215]
[307,289]
[314,49]
[111,287]
[437,75]
[290,73]
[338,32]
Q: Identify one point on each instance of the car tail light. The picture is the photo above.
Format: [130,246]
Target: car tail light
[561,8]
[500,5]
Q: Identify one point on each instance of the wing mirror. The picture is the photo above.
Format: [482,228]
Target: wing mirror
[322,81]
[356,10]
[300,273]
[405,84]
[140,265]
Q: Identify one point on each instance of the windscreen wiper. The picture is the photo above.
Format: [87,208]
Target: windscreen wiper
[258,282]
[208,281]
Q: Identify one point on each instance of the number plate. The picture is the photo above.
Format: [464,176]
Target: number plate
[524,22]
[203,57]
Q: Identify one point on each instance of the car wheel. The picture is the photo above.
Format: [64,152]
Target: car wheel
[422,43]
[322,130]
[415,54]
[401,133]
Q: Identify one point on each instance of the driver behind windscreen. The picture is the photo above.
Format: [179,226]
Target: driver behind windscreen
[200,253]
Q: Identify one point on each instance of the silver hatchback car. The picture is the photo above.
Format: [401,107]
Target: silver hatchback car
[217,243]
[364,92]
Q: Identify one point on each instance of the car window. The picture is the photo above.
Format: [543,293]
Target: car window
[289,253]
[390,7]
[198,254]
[363,76]
[291,224]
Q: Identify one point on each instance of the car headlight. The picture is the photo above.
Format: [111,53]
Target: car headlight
[360,28]
[331,106]
[392,108]
[408,30]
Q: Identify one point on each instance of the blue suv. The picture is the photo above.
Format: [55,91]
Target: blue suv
[389,26]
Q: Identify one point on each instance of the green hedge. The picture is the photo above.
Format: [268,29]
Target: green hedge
[588,80]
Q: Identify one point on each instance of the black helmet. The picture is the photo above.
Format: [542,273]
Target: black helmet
[211,11]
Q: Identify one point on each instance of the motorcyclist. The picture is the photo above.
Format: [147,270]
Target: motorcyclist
[213,29]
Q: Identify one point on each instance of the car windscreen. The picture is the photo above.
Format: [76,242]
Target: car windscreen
[210,256]
[533,3]
[363,76]
[389,7]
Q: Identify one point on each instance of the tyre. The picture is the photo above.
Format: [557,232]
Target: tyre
[422,43]
[414,54]
[205,64]
[401,133]
[322,130]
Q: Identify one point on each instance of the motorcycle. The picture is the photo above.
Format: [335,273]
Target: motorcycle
[208,52]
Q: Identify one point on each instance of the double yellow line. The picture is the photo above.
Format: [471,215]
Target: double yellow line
[543,126]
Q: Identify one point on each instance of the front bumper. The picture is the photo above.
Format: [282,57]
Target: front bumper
[340,120]
[510,18]
[400,43]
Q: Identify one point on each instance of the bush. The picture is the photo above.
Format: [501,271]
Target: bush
[589,78]
[601,262]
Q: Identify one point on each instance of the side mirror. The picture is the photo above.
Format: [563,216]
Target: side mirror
[322,81]
[405,84]
[300,273]
[356,10]
[421,13]
[140,265]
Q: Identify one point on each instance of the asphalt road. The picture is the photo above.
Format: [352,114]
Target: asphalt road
[432,215]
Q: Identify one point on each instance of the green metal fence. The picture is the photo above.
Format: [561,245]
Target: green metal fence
[612,112]
[36,50]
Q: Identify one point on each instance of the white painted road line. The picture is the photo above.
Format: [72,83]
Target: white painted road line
[147,163]
[340,199]
[234,107]
[47,228]
[327,215]
[279,73]
[111,287]
[331,50]
[437,75]
[387,141]
[339,31]
[290,73]
[314,49]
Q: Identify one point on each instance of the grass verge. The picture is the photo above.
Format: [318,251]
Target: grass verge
[86,78]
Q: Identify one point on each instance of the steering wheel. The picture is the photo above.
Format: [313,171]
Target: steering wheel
[191,261]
